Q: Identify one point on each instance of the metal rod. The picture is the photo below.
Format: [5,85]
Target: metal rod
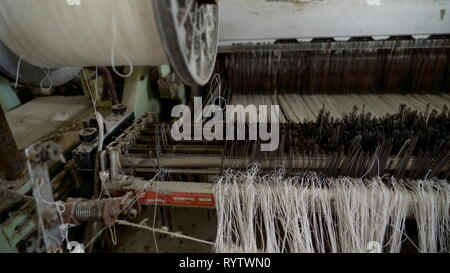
[109,84]
[12,160]
[217,161]
[176,188]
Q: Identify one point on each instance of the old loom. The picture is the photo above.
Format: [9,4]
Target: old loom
[363,160]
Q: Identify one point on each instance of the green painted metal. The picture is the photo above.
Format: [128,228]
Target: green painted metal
[164,70]
[15,229]
[139,93]
[8,98]
[146,97]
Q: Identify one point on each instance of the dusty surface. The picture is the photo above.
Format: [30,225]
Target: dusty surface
[48,118]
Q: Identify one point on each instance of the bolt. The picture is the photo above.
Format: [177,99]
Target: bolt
[88,135]
[119,109]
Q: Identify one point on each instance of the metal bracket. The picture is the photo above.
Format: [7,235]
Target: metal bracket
[84,154]
[38,157]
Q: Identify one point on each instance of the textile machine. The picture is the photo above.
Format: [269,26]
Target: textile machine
[320,61]
[350,89]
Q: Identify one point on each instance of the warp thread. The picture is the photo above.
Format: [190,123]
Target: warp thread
[274,213]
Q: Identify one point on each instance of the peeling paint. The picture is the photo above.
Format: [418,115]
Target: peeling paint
[442,14]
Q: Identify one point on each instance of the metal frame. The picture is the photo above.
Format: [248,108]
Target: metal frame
[84,154]
[192,194]
[256,21]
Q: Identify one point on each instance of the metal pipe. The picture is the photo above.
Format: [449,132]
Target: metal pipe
[109,84]
[183,161]
[12,160]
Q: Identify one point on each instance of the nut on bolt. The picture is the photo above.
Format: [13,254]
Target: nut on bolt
[88,135]
[119,109]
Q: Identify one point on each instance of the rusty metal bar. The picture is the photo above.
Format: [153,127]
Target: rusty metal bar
[182,194]
[109,84]
[12,160]
[199,162]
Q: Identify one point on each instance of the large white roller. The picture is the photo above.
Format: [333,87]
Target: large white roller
[54,34]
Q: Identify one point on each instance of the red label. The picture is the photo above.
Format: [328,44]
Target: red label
[178,199]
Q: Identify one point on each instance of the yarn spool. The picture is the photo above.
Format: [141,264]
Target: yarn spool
[57,37]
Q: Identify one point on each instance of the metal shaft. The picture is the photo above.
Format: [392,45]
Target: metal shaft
[12,161]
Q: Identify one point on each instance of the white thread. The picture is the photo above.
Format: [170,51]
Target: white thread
[371,166]
[89,90]
[112,231]
[60,208]
[100,122]
[72,37]
[154,219]
[113,49]
[173,234]
[137,196]
[96,85]
[275,213]
[95,237]
[75,247]
[218,81]
[47,76]
[18,72]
